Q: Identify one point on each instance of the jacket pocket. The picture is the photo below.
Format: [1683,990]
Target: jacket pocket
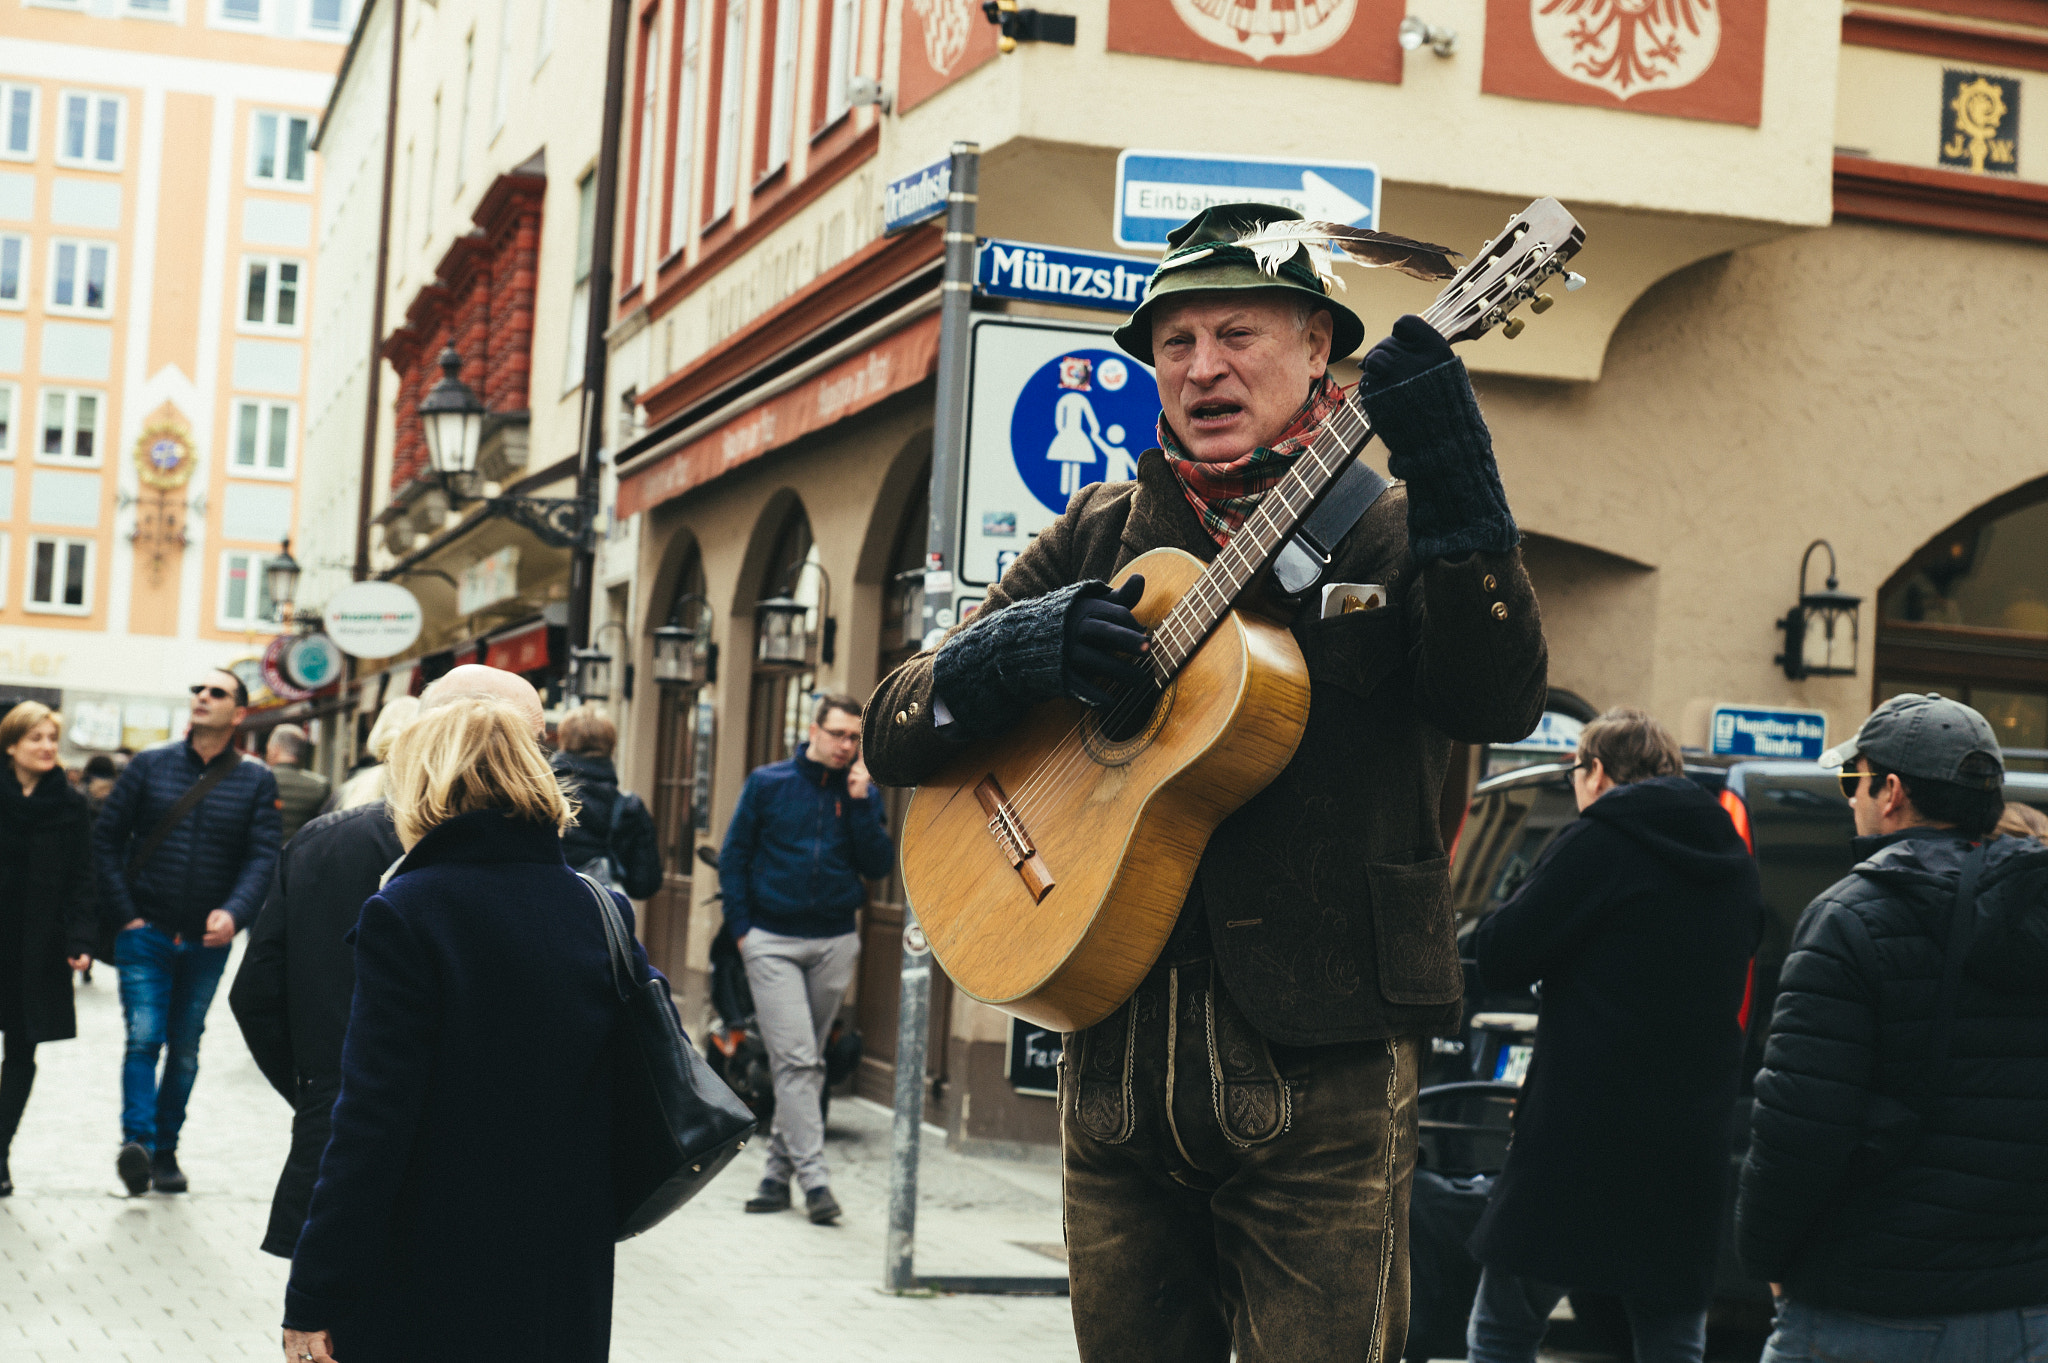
[1411,918]
[1355,652]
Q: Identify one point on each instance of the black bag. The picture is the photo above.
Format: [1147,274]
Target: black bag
[675,1124]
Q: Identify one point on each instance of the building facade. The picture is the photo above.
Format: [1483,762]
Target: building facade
[158,195]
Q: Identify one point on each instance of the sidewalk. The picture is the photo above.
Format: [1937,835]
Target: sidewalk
[86,1272]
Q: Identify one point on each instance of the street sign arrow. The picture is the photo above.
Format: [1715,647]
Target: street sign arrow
[1156,191]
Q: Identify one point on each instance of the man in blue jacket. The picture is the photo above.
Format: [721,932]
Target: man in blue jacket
[805,833]
[185,844]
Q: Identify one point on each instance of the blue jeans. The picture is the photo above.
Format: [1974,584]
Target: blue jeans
[1511,1313]
[1822,1334]
[166,987]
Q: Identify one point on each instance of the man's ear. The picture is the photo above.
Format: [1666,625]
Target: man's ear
[1318,334]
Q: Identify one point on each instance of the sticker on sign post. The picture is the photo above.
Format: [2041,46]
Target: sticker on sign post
[1051,408]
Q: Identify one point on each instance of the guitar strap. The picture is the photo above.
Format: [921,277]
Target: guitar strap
[1306,556]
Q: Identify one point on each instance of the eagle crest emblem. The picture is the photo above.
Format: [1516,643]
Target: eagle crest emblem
[1628,47]
[946,24]
[1260,29]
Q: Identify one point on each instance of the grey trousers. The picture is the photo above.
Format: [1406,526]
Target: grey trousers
[798,983]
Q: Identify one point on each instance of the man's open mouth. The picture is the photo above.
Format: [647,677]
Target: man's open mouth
[1213,411]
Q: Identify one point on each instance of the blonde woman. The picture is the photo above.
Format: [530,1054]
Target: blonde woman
[365,785]
[464,1205]
[46,912]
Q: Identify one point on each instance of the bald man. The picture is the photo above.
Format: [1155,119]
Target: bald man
[291,996]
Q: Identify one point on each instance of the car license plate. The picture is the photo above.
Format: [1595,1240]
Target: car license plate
[1512,1066]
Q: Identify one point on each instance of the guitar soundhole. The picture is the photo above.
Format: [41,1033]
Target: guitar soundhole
[1116,735]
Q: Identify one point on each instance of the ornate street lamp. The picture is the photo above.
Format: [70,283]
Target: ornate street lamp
[783,640]
[281,580]
[453,417]
[590,674]
[684,655]
[1820,632]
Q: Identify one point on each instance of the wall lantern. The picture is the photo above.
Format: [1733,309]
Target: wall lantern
[1820,632]
[281,580]
[684,655]
[453,417]
[783,639]
[590,669]
[910,591]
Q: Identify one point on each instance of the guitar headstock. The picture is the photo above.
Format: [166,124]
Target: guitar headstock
[1508,272]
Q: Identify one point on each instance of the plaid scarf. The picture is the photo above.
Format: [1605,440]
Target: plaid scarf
[1223,495]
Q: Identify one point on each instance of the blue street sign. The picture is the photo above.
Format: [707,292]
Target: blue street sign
[1054,274]
[1157,191]
[912,199]
[1752,731]
[1083,417]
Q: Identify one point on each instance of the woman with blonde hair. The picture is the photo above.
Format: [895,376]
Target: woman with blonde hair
[464,1203]
[47,911]
[365,785]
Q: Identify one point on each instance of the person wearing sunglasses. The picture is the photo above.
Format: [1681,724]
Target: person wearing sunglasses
[185,846]
[1896,1186]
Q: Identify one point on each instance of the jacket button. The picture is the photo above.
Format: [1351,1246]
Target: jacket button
[1490,583]
[913,707]
[1500,610]
[902,718]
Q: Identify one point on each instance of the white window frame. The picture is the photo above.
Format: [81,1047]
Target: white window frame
[843,55]
[462,127]
[95,99]
[60,577]
[267,327]
[575,351]
[544,35]
[285,119]
[24,277]
[683,164]
[10,419]
[269,412]
[219,17]
[8,90]
[501,79]
[84,247]
[643,186]
[732,85]
[782,86]
[162,11]
[254,561]
[341,29]
[67,456]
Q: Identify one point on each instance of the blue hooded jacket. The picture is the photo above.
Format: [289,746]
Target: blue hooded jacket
[797,848]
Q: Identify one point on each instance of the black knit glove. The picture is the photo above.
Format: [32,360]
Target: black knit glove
[1102,635]
[1422,408]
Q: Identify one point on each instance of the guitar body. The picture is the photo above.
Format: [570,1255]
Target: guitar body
[1116,825]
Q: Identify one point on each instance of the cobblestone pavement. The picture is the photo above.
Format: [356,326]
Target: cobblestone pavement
[89,1273]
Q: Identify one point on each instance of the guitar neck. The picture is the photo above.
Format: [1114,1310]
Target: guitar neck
[1252,549]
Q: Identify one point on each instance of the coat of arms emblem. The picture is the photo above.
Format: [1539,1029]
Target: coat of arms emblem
[1259,29]
[1628,47]
[946,24]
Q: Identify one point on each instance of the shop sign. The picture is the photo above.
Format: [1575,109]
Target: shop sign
[487,581]
[1157,191]
[523,650]
[144,723]
[312,662]
[899,361]
[1697,59]
[1051,408]
[1033,1060]
[917,197]
[281,686]
[1980,122]
[373,619]
[95,724]
[1054,274]
[1752,731]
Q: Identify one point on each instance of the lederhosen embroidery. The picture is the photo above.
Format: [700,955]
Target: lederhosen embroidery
[1102,1077]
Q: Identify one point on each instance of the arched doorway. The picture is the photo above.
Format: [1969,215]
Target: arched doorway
[778,704]
[677,738]
[1968,616]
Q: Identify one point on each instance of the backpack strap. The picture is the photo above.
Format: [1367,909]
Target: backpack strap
[216,771]
[1962,927]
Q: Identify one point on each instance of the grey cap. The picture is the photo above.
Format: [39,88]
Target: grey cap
[1928,736]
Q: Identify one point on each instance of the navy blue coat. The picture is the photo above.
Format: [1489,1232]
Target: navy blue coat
[219,857]
[593,783]
[796,850]
[464,1203]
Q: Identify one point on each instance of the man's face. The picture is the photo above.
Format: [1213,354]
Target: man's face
[1234,368]
[213,702]
[1869,804]
[835,740]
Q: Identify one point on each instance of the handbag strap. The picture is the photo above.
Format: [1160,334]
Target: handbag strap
[216,771]
[614,937]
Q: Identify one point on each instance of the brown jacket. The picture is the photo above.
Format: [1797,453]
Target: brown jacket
[1327,895]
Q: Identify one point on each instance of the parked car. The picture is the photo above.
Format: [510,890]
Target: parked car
[1797,825]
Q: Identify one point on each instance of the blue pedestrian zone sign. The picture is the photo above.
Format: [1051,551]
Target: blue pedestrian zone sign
[1054,274]
[1157,191]
[1749,731]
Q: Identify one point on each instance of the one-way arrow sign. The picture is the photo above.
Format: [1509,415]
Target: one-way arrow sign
[1156,191]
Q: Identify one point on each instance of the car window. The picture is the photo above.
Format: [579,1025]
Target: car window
[1505,832]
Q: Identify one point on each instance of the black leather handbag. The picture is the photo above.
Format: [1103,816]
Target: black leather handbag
[675,1124]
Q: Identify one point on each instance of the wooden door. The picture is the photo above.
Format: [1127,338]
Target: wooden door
[666,931]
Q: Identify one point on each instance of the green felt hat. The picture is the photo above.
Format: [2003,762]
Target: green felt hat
[1216,264]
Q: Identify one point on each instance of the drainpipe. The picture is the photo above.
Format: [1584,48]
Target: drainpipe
[583,563]
[363,493]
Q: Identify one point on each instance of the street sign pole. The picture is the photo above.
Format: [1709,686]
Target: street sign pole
[913,1016]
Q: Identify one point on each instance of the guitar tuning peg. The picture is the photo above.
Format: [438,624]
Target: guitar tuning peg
[1573,282]
[1542,304]
[1513,328]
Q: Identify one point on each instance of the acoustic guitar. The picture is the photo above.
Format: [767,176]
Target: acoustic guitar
[1047,867]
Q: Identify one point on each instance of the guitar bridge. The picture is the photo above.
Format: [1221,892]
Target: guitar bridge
[1009,832]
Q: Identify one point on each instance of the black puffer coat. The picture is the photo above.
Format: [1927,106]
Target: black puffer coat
[1960,1224]
[602,824]
[219,856]
[46,903]
[1640,921]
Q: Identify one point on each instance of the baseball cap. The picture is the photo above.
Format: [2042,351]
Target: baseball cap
[1929,736]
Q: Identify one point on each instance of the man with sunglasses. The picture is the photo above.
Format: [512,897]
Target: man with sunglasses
[185,846]
[1894,1186]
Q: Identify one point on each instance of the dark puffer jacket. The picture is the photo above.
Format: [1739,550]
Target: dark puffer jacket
[593,783]
[46,907]
[220,856]
[1961,1223]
